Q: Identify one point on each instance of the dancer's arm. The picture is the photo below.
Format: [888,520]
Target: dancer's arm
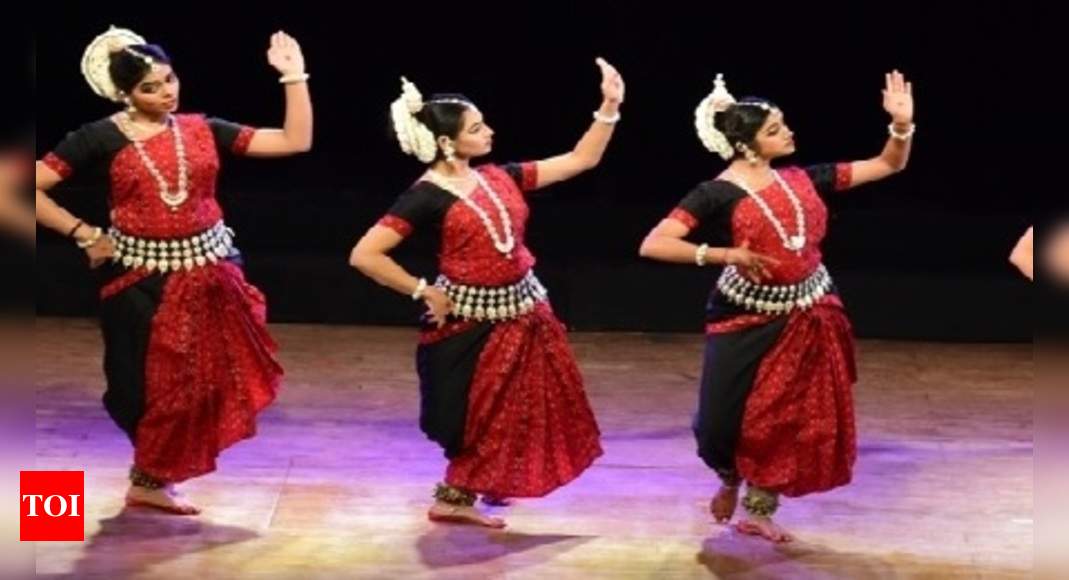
[371,257]
[53,216]
[590,148]
[295,136]
[898,102]
[666,243]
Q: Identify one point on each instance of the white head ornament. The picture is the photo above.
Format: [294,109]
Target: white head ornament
[715,103]
[413,136]
[97,58]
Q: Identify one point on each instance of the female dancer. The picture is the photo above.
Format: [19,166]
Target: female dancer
[775,407]
[188,359]
[1021,256]
[501,392]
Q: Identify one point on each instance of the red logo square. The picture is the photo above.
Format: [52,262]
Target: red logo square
[52,506]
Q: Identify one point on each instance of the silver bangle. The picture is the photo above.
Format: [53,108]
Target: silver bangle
[902,136]
[293,78]
[615,118]
[91,240]
[421,287]
[701,256]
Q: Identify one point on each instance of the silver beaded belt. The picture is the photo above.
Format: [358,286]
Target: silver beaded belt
[494,303]
[769,299]
[207,247]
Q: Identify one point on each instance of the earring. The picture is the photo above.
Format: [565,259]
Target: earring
[751,156]
[129,104]
[450,152]
[748,153]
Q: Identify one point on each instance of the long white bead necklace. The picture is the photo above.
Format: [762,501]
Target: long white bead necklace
[173,198]
[794,243]
[502,243]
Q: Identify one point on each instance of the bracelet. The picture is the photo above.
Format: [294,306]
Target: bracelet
[293,78]
[421,287]
[91,240]
[75,228]
[615,118]
[902,136]
[700,257]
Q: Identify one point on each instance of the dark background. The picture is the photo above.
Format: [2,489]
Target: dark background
[921,255]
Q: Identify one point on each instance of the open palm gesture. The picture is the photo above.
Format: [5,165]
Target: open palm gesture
[898,97]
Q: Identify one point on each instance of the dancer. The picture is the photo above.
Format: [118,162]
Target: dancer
[775,407]
[187,356]
[1022,254]
[16,215]
[501,392]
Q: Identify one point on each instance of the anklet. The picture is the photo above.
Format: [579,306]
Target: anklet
[453,495]
[760,503]
[141,479]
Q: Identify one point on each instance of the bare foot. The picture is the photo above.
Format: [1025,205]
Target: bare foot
[496,501]
[764,527]
[724,503]
[165,499]
[459,514]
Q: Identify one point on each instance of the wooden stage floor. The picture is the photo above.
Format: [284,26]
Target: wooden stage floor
[337,482]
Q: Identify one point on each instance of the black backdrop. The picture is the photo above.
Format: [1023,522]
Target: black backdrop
[921,255]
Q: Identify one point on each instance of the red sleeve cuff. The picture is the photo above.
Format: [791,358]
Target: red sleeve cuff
[396,224]
[57,164]
[844,176]
[685,217]
[241,143]
[530,175]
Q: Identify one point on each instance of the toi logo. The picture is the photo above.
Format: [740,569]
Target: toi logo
[51,506]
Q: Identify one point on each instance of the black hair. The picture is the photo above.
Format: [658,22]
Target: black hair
[127,70]
[443,114]
[741,121]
